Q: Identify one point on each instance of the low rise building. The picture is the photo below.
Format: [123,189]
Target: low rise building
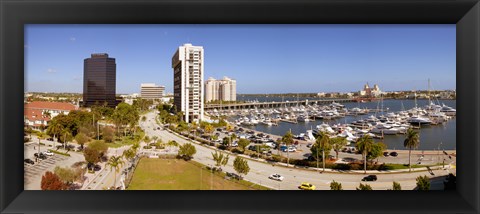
[37,114]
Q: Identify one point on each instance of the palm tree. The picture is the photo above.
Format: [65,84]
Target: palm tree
[66,135]
[147,140]
[129,154]
[40,136]
[135,147]
[338,143]
[364,144]
[172,143]
[411,141]
[154,138]
[209,129]
[322,142]
[56,129]
[288,140]
[115,162]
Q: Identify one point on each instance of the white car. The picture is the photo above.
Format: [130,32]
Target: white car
[276,177]
[49,153]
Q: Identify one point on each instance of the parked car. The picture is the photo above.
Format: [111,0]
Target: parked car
[49,153]
[41,156]
[29,161]
[393,154]
[386,154]
[370,178]
[306,186]
[276,177]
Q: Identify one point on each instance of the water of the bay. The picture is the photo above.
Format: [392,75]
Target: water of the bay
[442,136]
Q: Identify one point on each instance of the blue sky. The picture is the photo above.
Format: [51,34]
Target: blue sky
[262,58]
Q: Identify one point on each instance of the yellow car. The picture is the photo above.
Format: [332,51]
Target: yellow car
[306,186]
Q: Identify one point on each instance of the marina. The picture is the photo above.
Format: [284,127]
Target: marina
[384,120]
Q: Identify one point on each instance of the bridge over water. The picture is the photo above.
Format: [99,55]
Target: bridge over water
[274,104]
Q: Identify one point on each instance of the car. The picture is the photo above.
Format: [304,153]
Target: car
[234,176]
[49,153]
[29,161]
[276,177]
[386,154]
[393,154]
[370,178]
[41,156]
[307,186]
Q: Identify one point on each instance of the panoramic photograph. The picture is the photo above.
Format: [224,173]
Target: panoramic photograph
[240,107]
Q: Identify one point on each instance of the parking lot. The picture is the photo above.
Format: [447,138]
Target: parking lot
[33,173]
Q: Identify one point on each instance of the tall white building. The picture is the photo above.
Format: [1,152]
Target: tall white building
[188,92]
[224,89]
[151,91]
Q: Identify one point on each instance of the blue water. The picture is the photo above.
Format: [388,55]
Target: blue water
[431,137]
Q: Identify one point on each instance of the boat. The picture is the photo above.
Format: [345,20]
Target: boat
[448,110]
[419,120]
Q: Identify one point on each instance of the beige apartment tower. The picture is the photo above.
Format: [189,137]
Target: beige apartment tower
[188,92]
[224,89]
[150,91]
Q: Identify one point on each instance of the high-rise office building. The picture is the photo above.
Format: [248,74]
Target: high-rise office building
[188,92]
[151,91]
[99,80]
[224,89]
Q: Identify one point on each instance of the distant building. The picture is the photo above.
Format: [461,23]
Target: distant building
[39,113]
[151,91]
[321,94]
[224,89]
[187,64]
[370,92]
[99,80]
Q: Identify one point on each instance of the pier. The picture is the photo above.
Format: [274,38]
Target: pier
[235,106]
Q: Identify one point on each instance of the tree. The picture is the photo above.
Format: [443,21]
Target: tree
[229,127]
[129,154]
[411,141]
[187,151]
[423,183]
[100,146]
[322,143]
[107,134]
[396,186]
[233,137]
[220,159]
[241,166]
[364,145]
[144,118]
[287,139]
[41,136]
[147,140]
[135,147]
[338,143]
[67,175]
[209,129]
[115,162]
[173,143]
[243,143]
[81,139]
[364,187]
[376,150]
[66,136]
[55,129]
[92,156]
[50,181]
[335,186]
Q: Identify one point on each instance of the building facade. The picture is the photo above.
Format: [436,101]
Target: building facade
[151,91]
[188,92]
[38,114]
[224,89]
[370,92]
[99,80]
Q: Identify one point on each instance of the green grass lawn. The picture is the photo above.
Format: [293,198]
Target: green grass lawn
[392,166]
[175,174]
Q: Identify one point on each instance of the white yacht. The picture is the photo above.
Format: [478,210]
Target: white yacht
[419,120]
[448,110]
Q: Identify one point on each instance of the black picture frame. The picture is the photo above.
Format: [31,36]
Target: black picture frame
[14,14]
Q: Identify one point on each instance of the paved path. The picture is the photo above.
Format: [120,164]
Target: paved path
[260,171]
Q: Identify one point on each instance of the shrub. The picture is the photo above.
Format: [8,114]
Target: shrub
[237,151]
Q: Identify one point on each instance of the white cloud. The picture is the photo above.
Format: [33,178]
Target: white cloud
[73,39]
[51,70]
